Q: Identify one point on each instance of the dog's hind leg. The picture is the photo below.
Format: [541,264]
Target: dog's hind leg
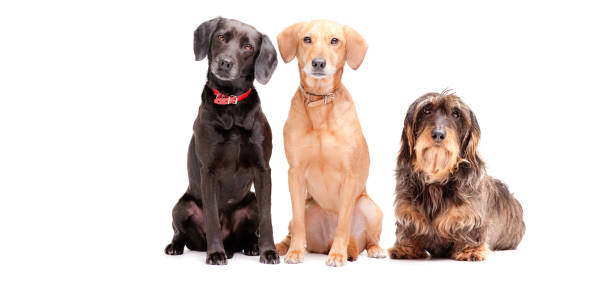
[506,228]
[242,228]
[283,246]
[188,225]
[373,220]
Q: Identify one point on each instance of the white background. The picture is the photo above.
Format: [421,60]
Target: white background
[97,102]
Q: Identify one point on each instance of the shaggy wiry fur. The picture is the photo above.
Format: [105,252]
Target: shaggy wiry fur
[446,204]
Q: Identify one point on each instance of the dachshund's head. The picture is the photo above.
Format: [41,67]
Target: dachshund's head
[440,134]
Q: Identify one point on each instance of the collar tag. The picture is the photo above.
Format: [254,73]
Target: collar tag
[223,99]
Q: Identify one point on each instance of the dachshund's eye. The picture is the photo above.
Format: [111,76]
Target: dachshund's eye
[334,41]
[456,114]
[307,40]
[248,47]
[221,37]
[427,109]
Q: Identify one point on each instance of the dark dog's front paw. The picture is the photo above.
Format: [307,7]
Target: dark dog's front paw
[269,257]
[252,251]
[174,249]
[216,258]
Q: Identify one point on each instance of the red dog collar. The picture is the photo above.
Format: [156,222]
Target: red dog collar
[222,99]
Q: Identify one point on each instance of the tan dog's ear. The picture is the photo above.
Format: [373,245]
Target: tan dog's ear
[356,47]
[287,42]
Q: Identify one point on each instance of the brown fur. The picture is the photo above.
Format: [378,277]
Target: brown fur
[326,150]
[446,204]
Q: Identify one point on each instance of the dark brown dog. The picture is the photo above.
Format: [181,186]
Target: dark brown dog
[446,204]
[230,150]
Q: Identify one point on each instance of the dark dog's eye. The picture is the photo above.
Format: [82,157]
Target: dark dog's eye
[456,113]
[427,109]
[221,37]
[307,39]
[248,47]
[334,41]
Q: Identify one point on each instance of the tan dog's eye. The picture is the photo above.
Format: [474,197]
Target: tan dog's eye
[221,37]
[334,41]
[307,40]
[427,109]
[248,47]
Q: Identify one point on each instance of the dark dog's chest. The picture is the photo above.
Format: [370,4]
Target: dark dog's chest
[231,158]
[236,152]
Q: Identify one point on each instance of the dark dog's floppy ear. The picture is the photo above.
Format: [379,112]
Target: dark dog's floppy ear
[470,142]
[356,47]
[201,38]
[266,61]
[287,42]
[405,153]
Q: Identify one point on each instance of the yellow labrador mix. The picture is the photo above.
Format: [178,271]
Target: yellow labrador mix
[326,150]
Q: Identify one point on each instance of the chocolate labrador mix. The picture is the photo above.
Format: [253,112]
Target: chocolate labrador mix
[230,150]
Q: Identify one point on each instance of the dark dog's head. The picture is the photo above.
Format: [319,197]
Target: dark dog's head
[440,133]
[235,51]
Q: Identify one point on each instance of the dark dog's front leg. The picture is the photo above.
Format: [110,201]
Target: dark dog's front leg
[215,254]
[263,190]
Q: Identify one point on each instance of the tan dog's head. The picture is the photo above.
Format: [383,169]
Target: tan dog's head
[322,47]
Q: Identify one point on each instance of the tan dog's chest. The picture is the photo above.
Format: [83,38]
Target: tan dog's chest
[325,158]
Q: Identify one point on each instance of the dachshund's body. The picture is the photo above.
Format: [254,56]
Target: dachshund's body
[446,204]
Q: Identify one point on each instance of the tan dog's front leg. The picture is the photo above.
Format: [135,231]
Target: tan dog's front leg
[338,254]
[297,189]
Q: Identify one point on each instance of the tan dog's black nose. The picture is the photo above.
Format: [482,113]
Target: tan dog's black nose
[318,63]
[438,135]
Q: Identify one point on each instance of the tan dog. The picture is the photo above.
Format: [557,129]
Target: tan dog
[327,153]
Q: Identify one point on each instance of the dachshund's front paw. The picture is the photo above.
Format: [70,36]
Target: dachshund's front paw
[407,252]
[478,253]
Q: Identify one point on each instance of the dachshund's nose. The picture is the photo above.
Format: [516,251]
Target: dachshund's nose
[226,64]
[318,63]
[438,135]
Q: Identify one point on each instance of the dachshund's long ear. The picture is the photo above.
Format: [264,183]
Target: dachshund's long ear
[469,144]
[405,154]
[356,47]
[201,38]
[266,61]
[287,42]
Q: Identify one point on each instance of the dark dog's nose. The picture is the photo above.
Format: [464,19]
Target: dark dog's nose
[226,64]
[438,135]
[318,63]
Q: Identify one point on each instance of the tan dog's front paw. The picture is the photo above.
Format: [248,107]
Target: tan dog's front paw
[294,257]
[375,251]
[478,253]
[336,259]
